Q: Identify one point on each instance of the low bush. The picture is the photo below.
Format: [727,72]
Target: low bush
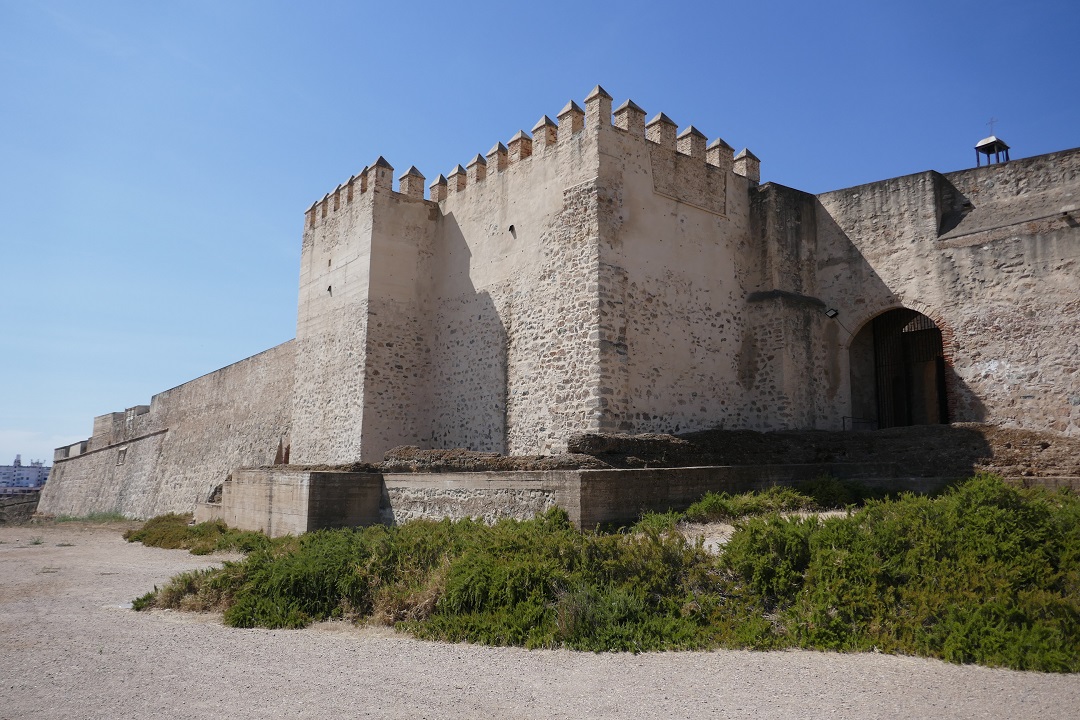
[771,555]
[827,492]
[176,532]
[722,506]
[985,573]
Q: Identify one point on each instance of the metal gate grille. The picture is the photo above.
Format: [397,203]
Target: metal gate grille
[904,342]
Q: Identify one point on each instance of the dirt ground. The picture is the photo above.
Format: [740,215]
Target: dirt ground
[71,648]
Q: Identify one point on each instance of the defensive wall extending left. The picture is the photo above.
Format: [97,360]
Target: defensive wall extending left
[168,456]
[608,274]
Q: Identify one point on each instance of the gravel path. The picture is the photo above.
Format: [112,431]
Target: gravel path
[70,649]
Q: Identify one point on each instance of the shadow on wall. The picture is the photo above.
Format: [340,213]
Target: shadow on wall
[896,376]
[899,374]
[468,378]
[918,451]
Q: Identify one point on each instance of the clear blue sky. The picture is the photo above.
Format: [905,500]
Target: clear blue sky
[156,158]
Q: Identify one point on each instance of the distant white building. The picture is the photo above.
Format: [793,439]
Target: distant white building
[23,477]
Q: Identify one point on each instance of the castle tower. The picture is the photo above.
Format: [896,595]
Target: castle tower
[356,390]
[530,299]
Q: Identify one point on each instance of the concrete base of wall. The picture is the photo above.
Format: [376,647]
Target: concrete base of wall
[290,502]
[284,501]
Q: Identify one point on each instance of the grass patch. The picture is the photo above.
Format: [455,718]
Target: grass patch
[821,493]
[95,517]
[985,573]
[722,506]
[176,532]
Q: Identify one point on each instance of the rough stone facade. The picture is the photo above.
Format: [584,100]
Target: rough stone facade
[170,455]
[612,275]
[18,508]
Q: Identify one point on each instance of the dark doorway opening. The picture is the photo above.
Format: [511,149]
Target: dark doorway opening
[898,371]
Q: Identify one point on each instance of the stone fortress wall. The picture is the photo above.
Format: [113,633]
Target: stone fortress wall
[610,275]
[509,296]
[992,255]
[170,455]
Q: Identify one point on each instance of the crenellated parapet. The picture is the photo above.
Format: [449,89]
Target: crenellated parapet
[691,141]
[412,183]
[748,166]
[498,158]
[476,170]
[545,134]
[439,188]
[686,165]
[631,118]
[342,196]
[598,108]
[456,180]
[662,131]
[520,147]
[719,154]
[571,121]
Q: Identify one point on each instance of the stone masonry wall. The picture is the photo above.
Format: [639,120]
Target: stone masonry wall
[468,384]
[614,277]
[398,339]
[512,273]
[992,255]
[553,353]
[331,328]
[788,355]
[407,499]
[195,434]
[363,325]
[18,508]
[675,270]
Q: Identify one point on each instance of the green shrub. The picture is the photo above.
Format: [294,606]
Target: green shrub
[771,554]
[175,531]
[722,506]
[827,492]
[323,577]
[985,573]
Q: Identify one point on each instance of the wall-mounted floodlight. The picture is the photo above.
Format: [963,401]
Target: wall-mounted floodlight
[831,313]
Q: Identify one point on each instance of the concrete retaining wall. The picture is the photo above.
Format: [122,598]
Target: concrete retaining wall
[291,502]
[284,501]
[488,496]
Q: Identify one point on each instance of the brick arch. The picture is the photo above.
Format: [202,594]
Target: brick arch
[948,340]
[948,336]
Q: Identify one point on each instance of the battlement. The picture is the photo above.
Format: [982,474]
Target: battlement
[675,155]
[377,175]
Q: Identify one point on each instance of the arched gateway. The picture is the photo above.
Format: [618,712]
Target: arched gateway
[898,371]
